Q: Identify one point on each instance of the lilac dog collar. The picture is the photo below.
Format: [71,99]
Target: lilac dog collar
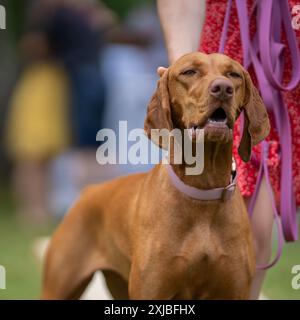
[202,194]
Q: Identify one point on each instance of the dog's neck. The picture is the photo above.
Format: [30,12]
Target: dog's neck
[217,167]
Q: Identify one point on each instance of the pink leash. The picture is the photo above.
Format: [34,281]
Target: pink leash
[268,66]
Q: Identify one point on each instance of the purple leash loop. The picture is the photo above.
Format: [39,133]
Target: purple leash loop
[265,53]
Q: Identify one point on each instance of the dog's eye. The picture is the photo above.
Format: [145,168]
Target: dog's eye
[233,75]
[189,72]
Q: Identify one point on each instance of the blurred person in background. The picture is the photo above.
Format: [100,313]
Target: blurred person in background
[78,35]
[37,124]
[56,96]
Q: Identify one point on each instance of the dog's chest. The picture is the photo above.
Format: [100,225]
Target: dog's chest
[208,265]
[203,248]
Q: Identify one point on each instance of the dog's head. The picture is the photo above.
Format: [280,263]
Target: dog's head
[201,91]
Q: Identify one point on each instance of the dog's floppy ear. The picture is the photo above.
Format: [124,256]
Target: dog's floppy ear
[159,111]
[256,120]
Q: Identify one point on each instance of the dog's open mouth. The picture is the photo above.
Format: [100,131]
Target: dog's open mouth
[217,127]
[217,119]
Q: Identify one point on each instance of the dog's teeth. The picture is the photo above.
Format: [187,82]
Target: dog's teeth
[217,122]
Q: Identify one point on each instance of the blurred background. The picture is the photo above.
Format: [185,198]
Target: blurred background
[69,68]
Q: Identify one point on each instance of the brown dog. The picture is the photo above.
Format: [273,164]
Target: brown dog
[150,240]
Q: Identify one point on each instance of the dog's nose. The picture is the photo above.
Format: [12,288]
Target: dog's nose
[221,89]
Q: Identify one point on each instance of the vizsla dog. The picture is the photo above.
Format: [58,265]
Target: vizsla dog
[151,240]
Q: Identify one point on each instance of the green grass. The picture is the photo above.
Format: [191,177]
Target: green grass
[24,271]
[277,284]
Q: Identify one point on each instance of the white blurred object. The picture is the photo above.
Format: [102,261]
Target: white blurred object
[97,289]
